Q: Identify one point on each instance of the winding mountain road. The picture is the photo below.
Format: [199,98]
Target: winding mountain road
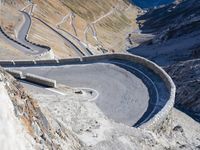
[28,47]
[128,92]
[15,43]
[79,52]
[23,33]
[21,41]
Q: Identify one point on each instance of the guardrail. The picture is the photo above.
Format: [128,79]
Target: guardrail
[157,119]
[27,63]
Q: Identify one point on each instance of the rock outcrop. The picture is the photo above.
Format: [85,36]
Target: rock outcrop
[43,131]
[186,76]
[175,46]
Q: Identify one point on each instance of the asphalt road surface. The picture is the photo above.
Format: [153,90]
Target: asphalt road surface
[21,43]
[23,32]
[128,93]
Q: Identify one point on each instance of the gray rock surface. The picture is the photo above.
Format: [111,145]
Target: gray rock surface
[186,76]
[176,47]
[46,132]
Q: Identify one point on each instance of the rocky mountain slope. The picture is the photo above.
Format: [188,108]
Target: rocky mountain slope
[168,35]
[174,44]
[24,125]
[99,24]
[186,75]
[52,122]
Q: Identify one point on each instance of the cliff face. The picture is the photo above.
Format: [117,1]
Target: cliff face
[186,76]
[175,45]
[172,21]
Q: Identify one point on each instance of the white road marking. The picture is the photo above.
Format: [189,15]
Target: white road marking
[55,91]
[89,89]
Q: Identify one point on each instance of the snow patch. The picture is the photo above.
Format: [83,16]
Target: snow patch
[13,136]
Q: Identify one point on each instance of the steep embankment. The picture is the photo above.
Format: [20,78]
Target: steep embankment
[12,134]
[24,125]
[175,45]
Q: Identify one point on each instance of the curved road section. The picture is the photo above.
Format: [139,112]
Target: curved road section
[28,47]
[21,41]
[67,41]
[23,33]
[129,92]
[15,43]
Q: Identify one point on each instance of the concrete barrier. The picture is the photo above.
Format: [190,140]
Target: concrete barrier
[5,63]
[160,117]
[15,73]
[97,57]
[47,62]
[47,55]
[32,78]
[40,80]
[69,61]
[24,63]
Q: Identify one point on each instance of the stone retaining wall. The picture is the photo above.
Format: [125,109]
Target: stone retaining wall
[26,63]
